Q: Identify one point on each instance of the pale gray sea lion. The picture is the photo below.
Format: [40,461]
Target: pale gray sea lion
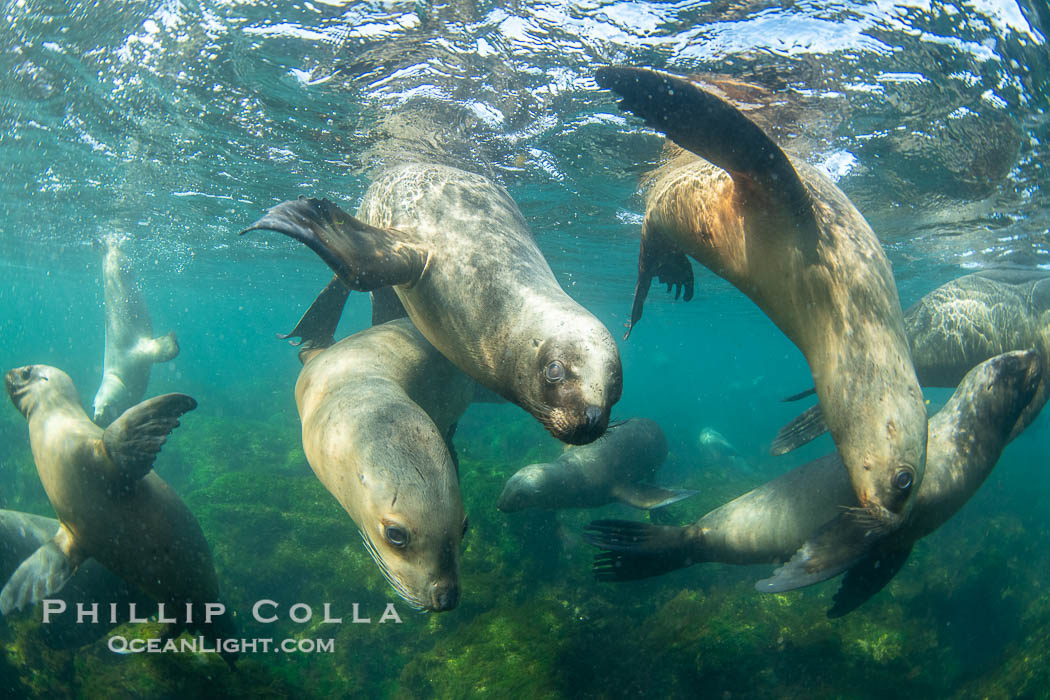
[378,411]
[588,476]
[131,348]
[955,327]
[21,534]
[111,505]
[784,234]
[799,513]
[462,261]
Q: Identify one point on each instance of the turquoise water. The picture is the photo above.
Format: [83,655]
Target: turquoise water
[180,123]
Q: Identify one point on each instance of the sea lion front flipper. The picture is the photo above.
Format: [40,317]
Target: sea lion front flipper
[658,258]
[647,496]
[867,577]
[807,426]
[364,257]
[837,546]
[717,132]
[634,550]
[386,306]
[133,440]
[160,349]
[43,574]
[316,328]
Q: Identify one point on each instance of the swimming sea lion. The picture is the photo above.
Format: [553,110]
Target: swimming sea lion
[786,236]
[955,327]
[21,534]
[378,409]
[131,348]
[775,520]
[469,274]
[588,476]
[111,505]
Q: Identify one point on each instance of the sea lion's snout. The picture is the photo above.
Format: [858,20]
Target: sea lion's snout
[591,425]
[444,596]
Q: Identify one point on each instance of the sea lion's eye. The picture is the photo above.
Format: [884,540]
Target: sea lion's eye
[902,479]
[554,372]
[466,524]
[396,536]
[26,374]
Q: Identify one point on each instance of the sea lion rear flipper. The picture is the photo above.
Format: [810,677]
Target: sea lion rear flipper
[43,574]
[717,132]
[133,440]
[386,306]
[867,577]
[635,550]
[807,426]
[316,328]
[658,258]
[364,257]
[647,496]
[836,546]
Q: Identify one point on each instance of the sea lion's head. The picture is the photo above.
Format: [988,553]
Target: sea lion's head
[573,379]
[104,408]
[410,513]
[525,488]
[35,385]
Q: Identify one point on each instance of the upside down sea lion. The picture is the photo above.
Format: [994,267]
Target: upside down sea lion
[796,514]
[21,534]
[465,266]
[378,409]
[955,327]
[588,476]
[786,236]
[131,349]
[111,505]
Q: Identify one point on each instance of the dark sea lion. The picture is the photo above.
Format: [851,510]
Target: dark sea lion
[786,236]
[111,505]
[772,522]
[378,410]
[131,349]
[955,327]
[21,534]
[589,476]
[466,268]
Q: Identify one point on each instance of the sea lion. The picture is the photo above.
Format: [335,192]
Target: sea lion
[786,236]
[21,534]
[111,505]
[589,476]
[465,266]
[775,520]
[131,348]
[378,410]
[955,327]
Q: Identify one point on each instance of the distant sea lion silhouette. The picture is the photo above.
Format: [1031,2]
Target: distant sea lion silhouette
[131,349]
[786,236]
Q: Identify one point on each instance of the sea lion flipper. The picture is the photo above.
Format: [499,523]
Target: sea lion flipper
[133,440]
[836,547]
[634,550]
[658,258]
[869,576]
[43,574]
[386,306]
[649,497]
[316,328]
[364,257]
[163,348]
[805,427]
[717,132]
[799,396]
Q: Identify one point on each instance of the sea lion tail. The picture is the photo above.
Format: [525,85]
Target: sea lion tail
[805,427]
[44,573]
[633,550]
[364,257]
[134,439]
